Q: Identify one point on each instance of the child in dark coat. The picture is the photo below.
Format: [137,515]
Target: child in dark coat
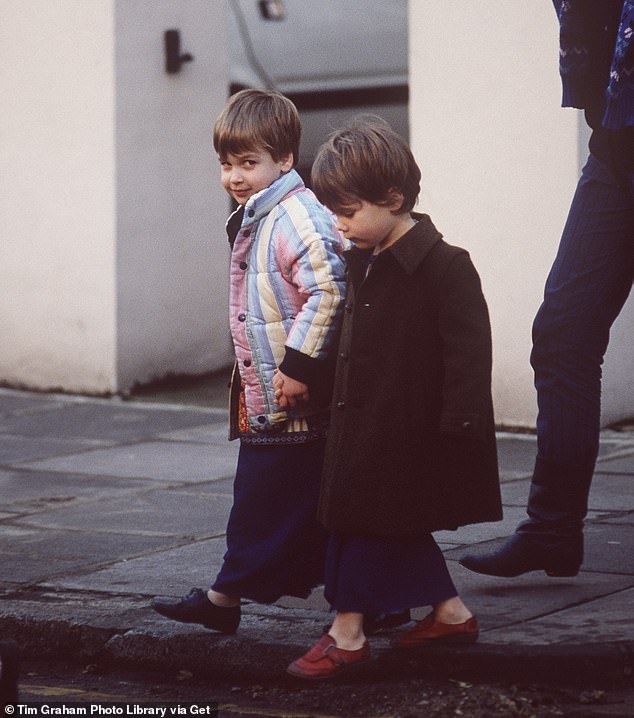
[411,446]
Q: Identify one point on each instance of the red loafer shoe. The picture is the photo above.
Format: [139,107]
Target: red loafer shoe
[325,660]
[429,631]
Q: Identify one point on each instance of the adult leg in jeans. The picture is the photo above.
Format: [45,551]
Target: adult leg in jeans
[588,284]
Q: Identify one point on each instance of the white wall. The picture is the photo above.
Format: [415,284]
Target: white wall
[500,160]
[57,221]
[618,382]
[172,251]
[113,257]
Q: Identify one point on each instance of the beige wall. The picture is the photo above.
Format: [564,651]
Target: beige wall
[112,248]
[172,251]
[500,160]
[113,259]
[57,223]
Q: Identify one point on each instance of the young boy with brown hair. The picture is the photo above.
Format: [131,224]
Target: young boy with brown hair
[411,447]
[286,299]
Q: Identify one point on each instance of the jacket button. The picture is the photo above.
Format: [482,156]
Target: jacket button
[466,424]
[348,307]
[242,317]
[366,306]
[344,356]
[243,265]
[261,419]
[251,213]
[341,405]
[247,362]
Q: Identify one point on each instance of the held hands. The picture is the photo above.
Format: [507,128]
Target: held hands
[288,391]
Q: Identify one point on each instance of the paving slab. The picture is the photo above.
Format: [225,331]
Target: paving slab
[148,513]
[515,493]
[24,403]
[518,457]
[105,503]
[622,520]
[611,492]
[100,421]
[172,571]
[24,448]
[29,554]
[506,603]
[606,493]
[620,464]
[608,548]
[174,461]
[603,619]
[215,486]
[204,434]
[478,533]
[24,490]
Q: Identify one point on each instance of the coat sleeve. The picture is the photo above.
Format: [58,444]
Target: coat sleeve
[463,321]
[317,271]
[466,447]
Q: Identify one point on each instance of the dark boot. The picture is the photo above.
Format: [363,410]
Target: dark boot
[195,607]
[524,552]
[551,540]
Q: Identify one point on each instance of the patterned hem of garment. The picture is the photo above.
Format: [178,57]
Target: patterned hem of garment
[282,439]
[295,430]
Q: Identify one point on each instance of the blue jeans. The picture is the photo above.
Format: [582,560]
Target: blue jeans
[586,289]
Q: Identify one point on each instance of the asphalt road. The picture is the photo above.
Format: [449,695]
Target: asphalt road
[59,685]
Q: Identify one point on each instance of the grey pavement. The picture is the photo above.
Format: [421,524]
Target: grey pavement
[105,503]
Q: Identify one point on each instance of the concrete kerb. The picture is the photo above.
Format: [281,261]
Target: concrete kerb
[129,634]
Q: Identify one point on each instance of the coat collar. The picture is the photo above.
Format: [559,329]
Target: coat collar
[260,204]
[410,250]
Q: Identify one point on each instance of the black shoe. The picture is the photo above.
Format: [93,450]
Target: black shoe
[377,622]
[195,607]
[524,552]
[9,669]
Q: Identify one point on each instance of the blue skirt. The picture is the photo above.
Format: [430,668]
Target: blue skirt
[380,575]
[275,546]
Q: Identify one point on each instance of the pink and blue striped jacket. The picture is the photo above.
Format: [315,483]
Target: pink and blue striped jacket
[287,287]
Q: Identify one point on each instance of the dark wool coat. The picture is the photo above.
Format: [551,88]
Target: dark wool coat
[411,447]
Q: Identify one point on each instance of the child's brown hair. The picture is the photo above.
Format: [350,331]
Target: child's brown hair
[365,160]
[255,119]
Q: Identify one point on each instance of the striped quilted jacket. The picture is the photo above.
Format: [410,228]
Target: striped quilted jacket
[287,286]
